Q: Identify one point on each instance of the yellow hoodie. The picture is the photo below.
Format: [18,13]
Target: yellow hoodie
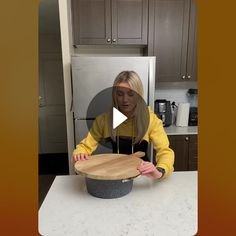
[155,134]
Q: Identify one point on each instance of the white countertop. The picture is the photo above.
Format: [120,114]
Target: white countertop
[174,130]
[165,207]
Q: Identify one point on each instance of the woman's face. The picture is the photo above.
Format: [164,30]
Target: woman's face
[126,98]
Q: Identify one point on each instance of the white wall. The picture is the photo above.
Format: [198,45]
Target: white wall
[52,101]
[67,50]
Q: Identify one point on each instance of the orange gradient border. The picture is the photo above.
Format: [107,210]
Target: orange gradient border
[216,56]
[19,117]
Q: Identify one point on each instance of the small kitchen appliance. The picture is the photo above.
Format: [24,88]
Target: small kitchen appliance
[182,114]
[193,112]
[163,111]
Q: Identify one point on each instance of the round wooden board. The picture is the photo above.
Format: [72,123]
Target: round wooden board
[109,166]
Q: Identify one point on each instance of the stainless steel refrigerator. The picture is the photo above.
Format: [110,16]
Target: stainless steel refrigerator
[91,75]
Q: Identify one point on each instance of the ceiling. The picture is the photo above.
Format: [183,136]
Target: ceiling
[49,17]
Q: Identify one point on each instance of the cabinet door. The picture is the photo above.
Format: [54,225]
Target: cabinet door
[179,144]
[129,21]
[168,37]
[192,43]
[193,152]
[91,21]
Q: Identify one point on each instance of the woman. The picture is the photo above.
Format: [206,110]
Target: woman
[132,135]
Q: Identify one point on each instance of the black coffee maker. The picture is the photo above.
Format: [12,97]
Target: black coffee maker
[163,111]
[193,112]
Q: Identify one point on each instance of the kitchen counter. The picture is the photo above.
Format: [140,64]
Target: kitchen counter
[188,130]
[165,207]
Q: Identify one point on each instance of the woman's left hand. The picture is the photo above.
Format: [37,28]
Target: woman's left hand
[148,169]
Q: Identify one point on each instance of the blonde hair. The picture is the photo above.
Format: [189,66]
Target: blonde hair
[141,116]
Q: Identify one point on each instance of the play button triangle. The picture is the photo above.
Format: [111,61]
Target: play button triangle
[118,118]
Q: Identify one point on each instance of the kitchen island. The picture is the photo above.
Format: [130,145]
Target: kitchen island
[163,207]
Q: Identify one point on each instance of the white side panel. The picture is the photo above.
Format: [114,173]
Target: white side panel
[67,49]
[93,74]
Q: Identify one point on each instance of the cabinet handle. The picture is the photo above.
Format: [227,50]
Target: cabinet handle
[186,138]
[41,102]
[183,77]
[113,40]
[108,40]
[189,77]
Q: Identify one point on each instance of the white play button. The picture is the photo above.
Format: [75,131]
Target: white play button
[118,118]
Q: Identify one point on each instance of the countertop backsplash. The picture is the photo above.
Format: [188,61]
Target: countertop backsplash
[178,96]
[172,94]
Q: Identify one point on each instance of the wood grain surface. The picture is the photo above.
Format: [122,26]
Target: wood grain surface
[110,166]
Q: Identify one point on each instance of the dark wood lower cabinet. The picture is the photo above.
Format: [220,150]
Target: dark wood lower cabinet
[185,148]
[193,153]
[179,144]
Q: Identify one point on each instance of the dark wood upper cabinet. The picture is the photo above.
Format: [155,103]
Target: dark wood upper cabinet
[130,21]
[172,39]
[192,43]
[122,22]
[91,21]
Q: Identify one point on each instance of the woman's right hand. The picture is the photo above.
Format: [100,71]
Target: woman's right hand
[80,157]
